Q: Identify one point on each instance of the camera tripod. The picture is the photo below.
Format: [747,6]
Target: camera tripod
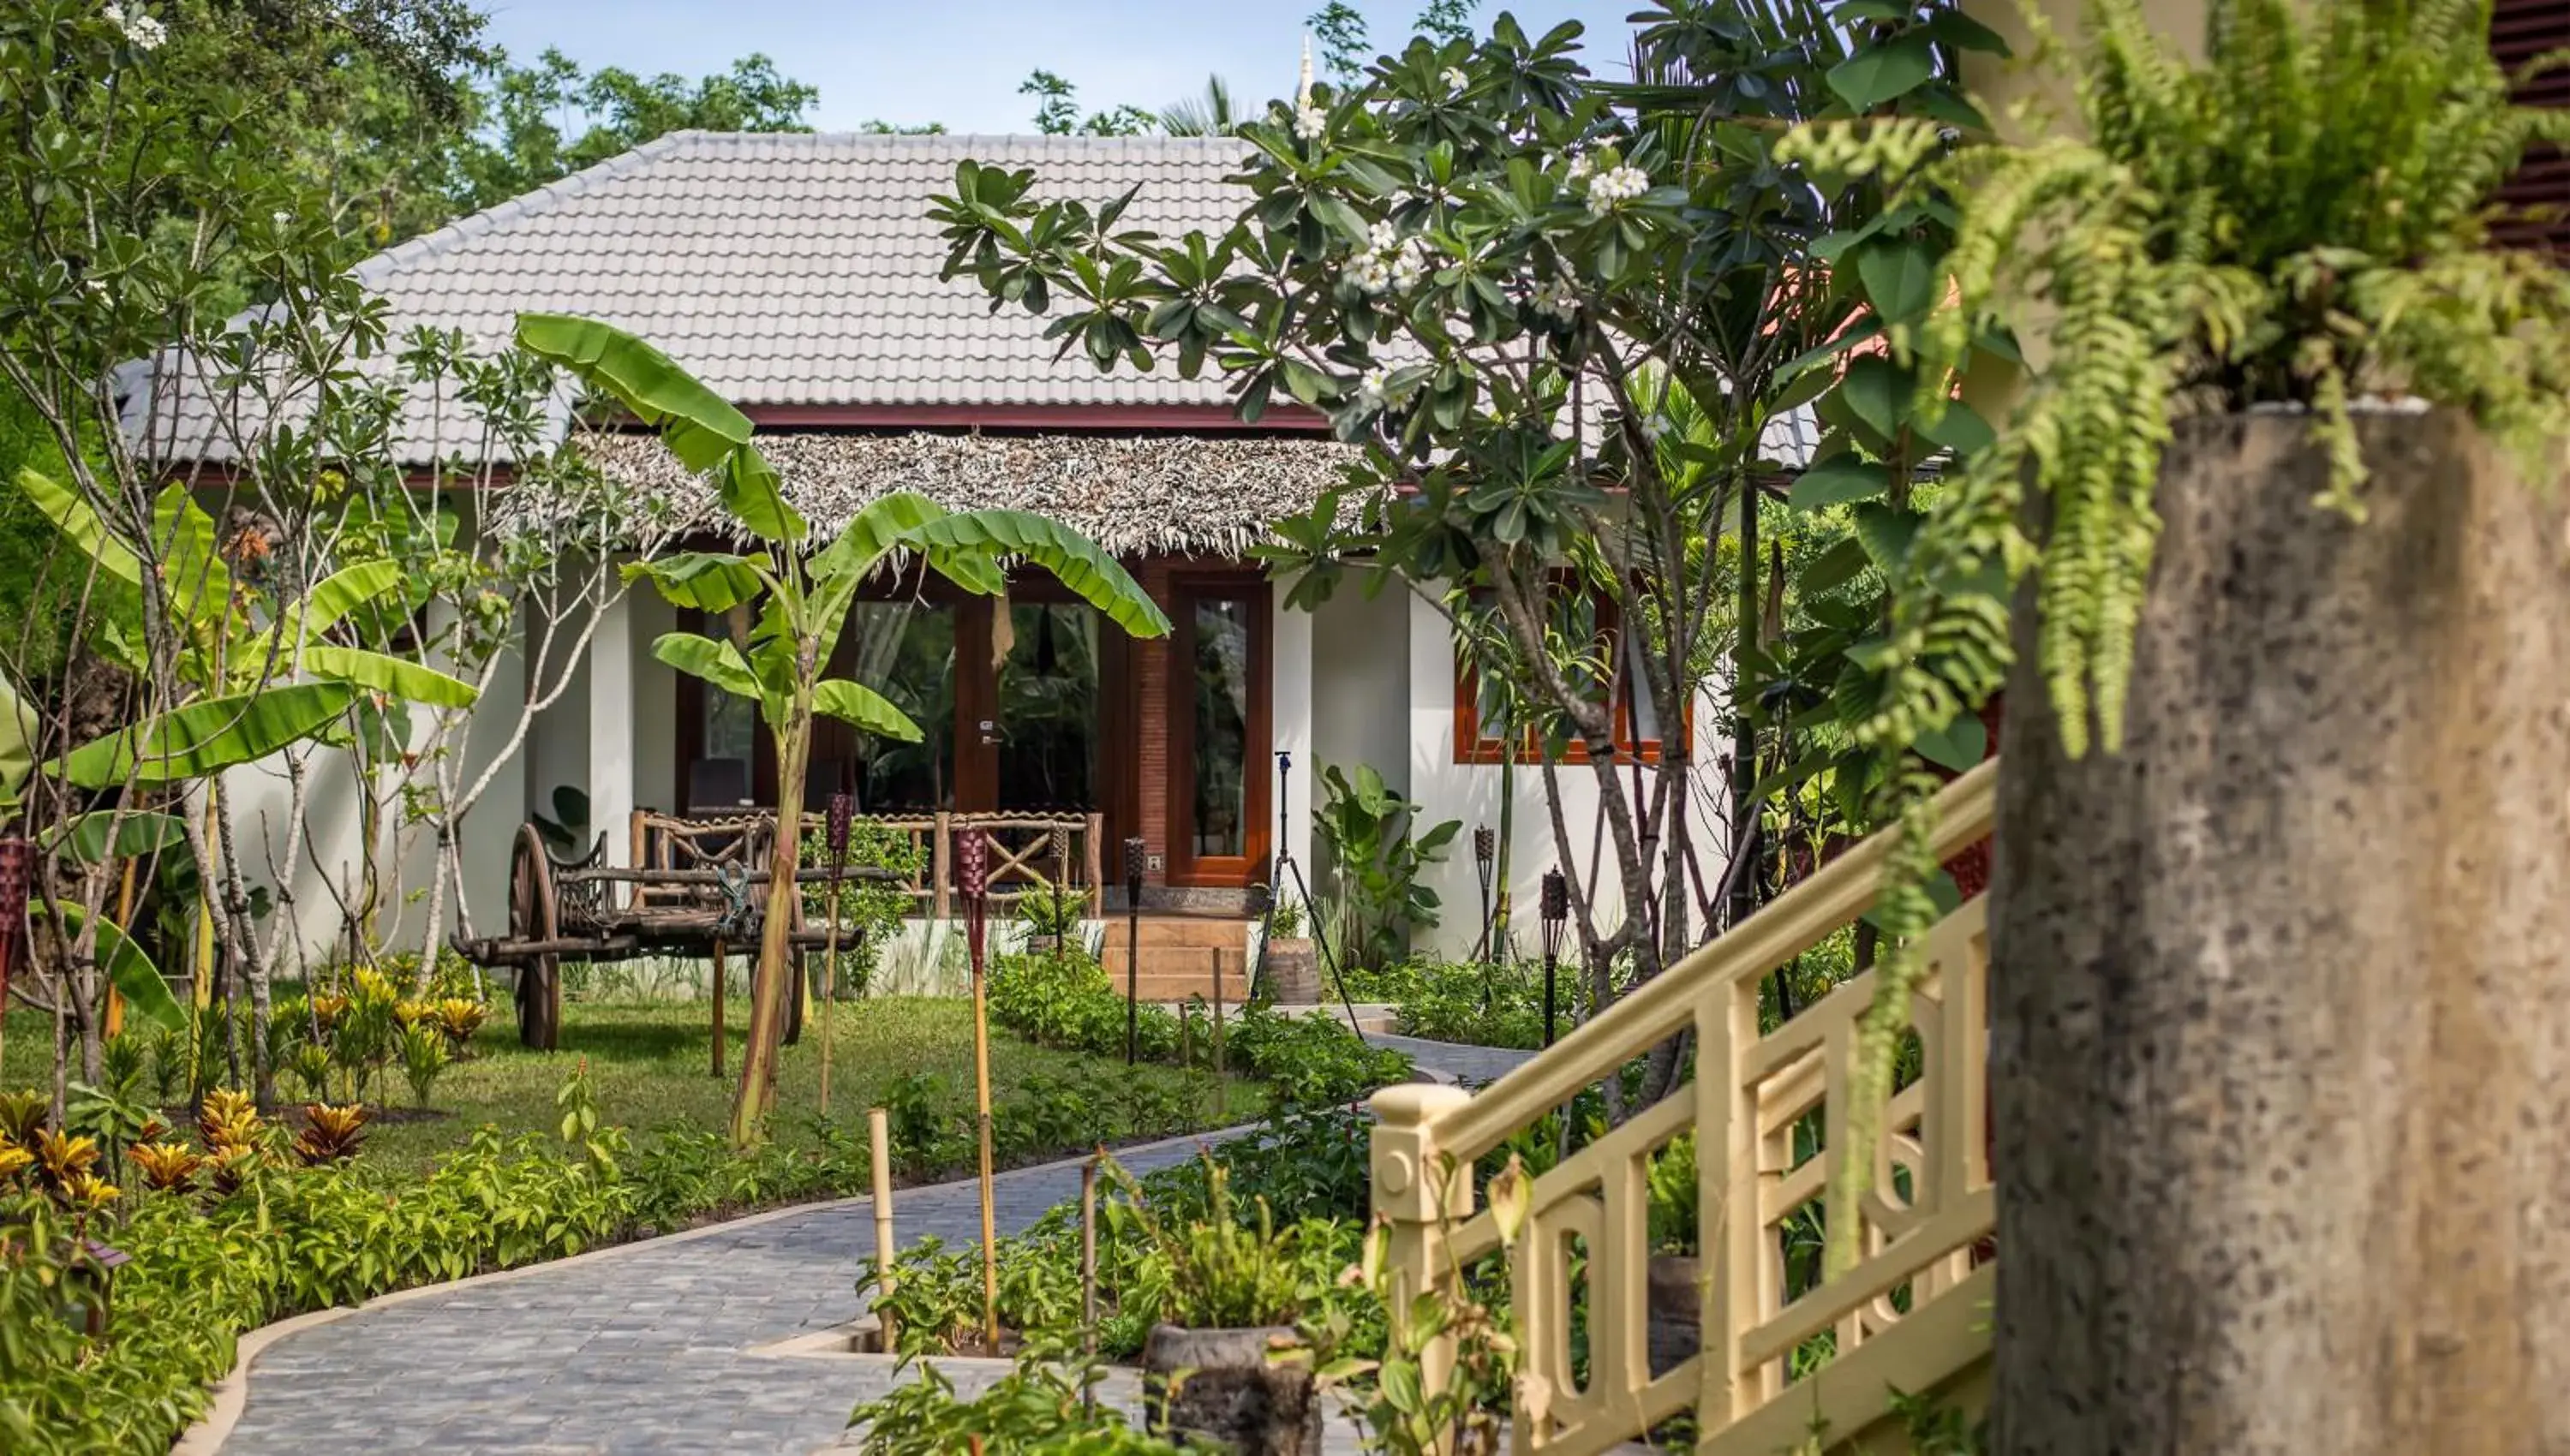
[1283,868]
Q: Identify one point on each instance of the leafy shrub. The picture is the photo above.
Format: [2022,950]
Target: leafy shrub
[1064,999]
[1313,1062]
[870,911]
[424,1057]
[1225,1272]
[1485,1005]
[1038,1408]
[1375,860]
[207,1267]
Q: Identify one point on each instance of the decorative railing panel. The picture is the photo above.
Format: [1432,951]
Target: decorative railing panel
[1585,1252]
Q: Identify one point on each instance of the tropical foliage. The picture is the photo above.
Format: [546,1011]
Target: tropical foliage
[799,598]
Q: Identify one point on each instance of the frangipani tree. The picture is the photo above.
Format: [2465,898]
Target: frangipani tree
[802,596]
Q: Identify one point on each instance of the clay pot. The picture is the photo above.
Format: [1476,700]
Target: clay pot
[1293,971]
[1220,1384]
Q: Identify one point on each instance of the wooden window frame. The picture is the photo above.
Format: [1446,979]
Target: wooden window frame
[1228,872]
[1473,746]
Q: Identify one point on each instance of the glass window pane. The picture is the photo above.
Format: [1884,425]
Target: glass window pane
[1047,696]
[1221,788]
[905,650]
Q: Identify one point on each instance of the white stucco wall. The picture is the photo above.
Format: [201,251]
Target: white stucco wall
[1292,662]
[1471,793]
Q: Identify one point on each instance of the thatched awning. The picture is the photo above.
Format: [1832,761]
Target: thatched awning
[1130,494]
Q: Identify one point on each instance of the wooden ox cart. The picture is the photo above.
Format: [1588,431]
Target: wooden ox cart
[698,887]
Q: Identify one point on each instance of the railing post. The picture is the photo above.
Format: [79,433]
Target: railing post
[1420,1193]
[940,860]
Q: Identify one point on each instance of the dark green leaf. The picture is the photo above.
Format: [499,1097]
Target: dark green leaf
[1900,278]
[1839,478]
[1879,74]
[207,736]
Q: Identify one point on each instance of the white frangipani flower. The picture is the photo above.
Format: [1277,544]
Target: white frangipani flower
[1454,79]
[142,30]
[1311,122]
[1371,272]
[1412,264]
[1582,165]
[1559,299]
[1374,382]
[1615,187]
[1383,237]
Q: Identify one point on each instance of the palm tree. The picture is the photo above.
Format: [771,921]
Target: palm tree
[1210,114]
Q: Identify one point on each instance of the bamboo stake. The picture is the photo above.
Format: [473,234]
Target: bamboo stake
[973,875]
[124,922]
[1088,1273]
[879,1139]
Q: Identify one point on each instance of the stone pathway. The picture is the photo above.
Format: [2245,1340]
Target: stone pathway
[644,1350]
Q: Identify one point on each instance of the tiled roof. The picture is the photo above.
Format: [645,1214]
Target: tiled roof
[779,268]
[802,269]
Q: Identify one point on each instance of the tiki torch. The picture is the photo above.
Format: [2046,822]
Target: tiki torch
[972,877]
[17,871]
[1134,853]
[1061,877]
[1556,918]
[834,836]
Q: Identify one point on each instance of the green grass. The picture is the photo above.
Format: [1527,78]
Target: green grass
[650,1066]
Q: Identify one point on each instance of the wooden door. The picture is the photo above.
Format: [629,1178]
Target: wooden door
[1220,768]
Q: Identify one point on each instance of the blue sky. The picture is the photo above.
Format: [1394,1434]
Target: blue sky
[960,61]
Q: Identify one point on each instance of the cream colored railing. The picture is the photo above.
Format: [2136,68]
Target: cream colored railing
[1749,1093]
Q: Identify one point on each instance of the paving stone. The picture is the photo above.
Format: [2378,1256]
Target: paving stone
[644,1350]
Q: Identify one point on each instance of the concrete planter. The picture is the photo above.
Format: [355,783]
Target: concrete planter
[1293,971]
[2280,1006]
[1219,1383]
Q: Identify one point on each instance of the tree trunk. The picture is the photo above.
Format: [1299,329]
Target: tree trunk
[2280,1012]
[773,979]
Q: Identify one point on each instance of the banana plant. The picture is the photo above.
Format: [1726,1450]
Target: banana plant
[233,644]
[801,597]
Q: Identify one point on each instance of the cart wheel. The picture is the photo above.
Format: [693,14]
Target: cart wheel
[531,918]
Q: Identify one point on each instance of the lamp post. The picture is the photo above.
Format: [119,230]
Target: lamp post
[17,871]
[1134,853]
[1556,918]
[973,877]
[834,833]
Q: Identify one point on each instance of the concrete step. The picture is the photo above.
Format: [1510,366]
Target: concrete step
[1197,931]
[1169,990]
[1176,960]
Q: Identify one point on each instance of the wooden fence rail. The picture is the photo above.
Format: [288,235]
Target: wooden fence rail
[1927,1209]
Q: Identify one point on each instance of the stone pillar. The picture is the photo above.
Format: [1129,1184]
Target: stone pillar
[2280,1005]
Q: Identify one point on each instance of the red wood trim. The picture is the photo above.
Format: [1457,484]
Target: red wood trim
[1193,418]
[1238,585]
[1472,746]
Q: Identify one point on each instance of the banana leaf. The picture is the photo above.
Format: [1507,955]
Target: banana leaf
[699,426]
[1075,559]
[862,706]
[131,971]
[85,836]
[207,737]
[717,662]
[190,548]
[706,580]
[387,673]
[18,728]
[72,517]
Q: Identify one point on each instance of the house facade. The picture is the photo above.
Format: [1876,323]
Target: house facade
[797,276]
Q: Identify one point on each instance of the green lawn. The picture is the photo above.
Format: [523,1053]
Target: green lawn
[648,1063]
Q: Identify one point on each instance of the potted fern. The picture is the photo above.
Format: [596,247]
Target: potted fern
[1235,1292]
[2283,866]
